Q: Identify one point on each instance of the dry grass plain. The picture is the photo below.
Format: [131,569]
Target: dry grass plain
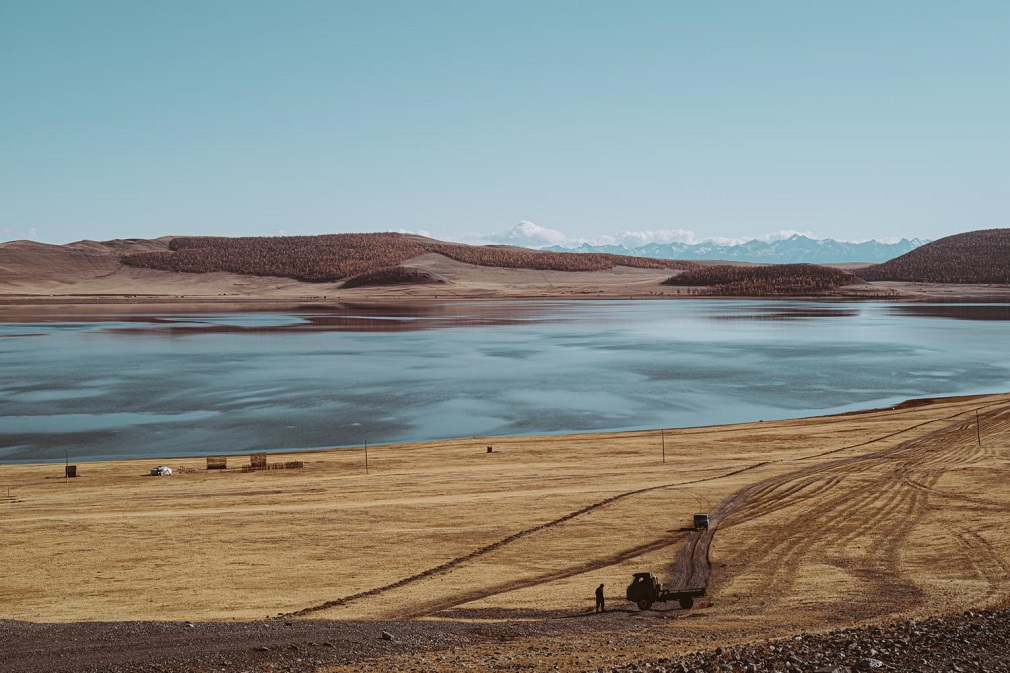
[817,523]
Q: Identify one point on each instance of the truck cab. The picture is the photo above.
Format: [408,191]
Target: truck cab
[644,590]
[701,521]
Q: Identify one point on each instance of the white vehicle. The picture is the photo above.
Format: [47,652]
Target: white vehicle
[161,471]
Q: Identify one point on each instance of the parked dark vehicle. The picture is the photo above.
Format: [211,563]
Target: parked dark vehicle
[645,590]
[701,521]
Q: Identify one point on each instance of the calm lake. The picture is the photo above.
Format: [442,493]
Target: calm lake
[173,384]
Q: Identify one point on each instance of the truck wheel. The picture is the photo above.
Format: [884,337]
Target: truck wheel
[687,603]
[644,604]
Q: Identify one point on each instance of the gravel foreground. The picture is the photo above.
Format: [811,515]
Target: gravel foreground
[231,647]
[972,641]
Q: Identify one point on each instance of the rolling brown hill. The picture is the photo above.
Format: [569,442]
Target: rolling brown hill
[335,257]
[974,257]
[358,266]
[27,260]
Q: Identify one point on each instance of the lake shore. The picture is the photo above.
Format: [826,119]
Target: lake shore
[29,307]
[51,280]
[818,523]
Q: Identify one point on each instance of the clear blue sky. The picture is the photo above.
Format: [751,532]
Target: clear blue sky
[849,120]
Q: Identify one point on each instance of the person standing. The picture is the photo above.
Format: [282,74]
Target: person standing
[600,604]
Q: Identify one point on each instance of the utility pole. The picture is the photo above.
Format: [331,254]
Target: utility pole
[366,456]
[978,430]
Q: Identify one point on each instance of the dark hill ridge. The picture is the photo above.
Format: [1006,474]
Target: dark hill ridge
[335,257]
[393,275]
[775,279]
[975,257]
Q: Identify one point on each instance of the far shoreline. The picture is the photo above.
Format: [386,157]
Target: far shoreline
[81,303]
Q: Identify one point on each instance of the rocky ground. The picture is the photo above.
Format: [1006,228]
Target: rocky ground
[972,641]
[231,647]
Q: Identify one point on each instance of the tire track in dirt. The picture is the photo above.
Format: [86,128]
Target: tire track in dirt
[689,571]
[872,513]
[899,432]
[987,564]
[692,565]
[866,516]
[913,452]
[929,488]
[486,549]
[993,425]
[770,505]
[797,536]
[778,555]
[856,508]
[571,571]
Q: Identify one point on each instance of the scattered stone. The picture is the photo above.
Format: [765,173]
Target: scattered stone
[970,641]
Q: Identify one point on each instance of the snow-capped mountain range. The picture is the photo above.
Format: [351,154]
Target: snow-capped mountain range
[795,249]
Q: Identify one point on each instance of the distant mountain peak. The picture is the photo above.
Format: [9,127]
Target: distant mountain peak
[797,248]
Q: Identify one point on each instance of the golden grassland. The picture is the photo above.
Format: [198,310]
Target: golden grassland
[818,523]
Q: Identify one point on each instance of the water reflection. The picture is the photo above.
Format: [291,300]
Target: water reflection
[320,375]
[999,312]
[337,317]
[789,313]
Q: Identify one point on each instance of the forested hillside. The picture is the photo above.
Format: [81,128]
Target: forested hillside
[774,279]
[335,257]
[981,257]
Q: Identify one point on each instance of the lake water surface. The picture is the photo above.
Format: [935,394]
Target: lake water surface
[164,384]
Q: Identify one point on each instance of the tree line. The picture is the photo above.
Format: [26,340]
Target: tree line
[335,257]
[308,258]
[774,279]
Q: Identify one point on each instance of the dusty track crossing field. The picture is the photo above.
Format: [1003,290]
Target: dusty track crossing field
[816,523]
